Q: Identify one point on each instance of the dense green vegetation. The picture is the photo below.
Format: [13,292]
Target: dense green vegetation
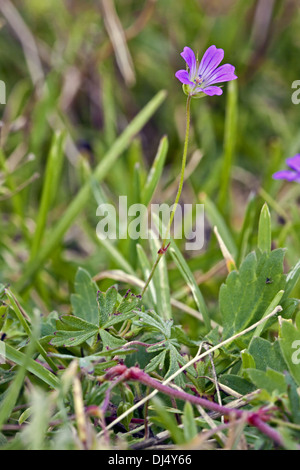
[92,112]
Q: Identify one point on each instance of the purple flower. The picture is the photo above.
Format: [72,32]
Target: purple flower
[199,79]
[290,175]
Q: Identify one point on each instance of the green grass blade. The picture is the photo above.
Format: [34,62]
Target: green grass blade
[21,317]
[17,200]
[190,280]
[229,144]
[247,229]
[188,421]
[52,174]
[292,278]
[146,269]
[161,279]
[217,220]
[32,366]
[136,199]
[112,251]
[55,236]
[167,420]
[156,171]
[25,363]
[11,395]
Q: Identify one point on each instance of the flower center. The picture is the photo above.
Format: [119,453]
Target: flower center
[198,80]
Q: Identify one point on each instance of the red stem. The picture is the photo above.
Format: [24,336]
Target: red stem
[256,418]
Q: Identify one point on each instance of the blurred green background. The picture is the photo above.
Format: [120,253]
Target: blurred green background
[90,67]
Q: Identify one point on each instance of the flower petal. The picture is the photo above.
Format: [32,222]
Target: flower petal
[286,175]
[294,162]
[189,56]
[225,73]
[210,61]
[183,77]
[212,90]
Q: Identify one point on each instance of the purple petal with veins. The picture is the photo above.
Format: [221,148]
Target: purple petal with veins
[224,73]
[183,77]
[189,56]
[212,90]
[210,60]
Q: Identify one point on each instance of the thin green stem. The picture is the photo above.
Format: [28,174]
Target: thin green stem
[164,246]
[159,255]
[183,165]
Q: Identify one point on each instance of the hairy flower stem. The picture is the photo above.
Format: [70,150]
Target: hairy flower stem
[256,418]
[164,245]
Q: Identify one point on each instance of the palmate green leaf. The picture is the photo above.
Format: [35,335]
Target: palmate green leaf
[157,347]
[110,341]
[107,302]
[118,318]
[72,323]
[247,294]
[112,311]
[72,331]
[129,303]
[84,301]
[175,361]
[153,320]
[156,362]
[168,359]
[70,338]
[183,338]
[290,346]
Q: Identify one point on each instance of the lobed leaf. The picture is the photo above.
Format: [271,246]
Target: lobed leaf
[246,295]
